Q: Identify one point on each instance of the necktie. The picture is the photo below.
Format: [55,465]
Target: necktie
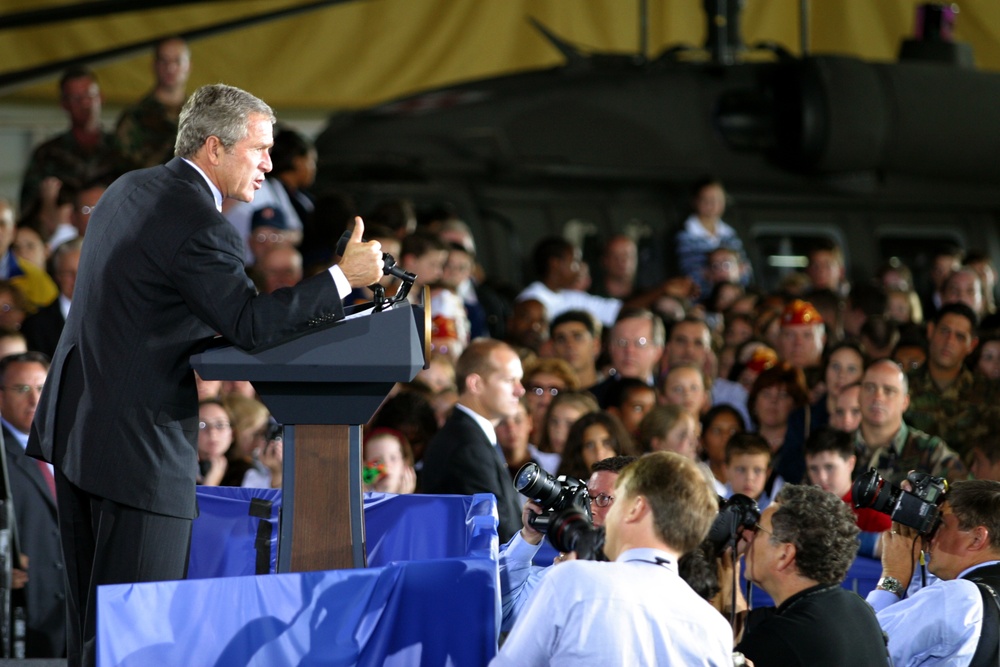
[50,481]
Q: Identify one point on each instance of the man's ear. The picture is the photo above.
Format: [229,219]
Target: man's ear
[214,149]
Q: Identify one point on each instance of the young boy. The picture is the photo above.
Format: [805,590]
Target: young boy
[748,465]
[830,463]
[630,400]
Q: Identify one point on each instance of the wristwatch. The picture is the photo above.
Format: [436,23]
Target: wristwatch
[892,585]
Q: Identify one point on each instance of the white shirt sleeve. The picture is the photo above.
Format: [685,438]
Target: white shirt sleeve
[340,280]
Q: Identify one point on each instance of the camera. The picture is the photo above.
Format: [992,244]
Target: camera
[917,509]
[553,494]
[739,511]
[572,529]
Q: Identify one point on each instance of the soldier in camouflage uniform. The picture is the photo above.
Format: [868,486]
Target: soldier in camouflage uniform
[84,153]
[946,399]
[147,130]
[885,442]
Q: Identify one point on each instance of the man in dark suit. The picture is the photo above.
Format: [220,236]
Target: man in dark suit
[42,330]
[31,486]
[160,275]
[463,456]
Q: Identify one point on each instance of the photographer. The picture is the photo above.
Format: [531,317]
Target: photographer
[518,577]
[635,610]
[805,543]
[953,621]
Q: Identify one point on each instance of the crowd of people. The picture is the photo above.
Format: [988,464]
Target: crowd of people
[661,399]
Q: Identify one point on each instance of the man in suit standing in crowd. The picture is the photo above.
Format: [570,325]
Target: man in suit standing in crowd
[161,274]
[31,489]
[463,456]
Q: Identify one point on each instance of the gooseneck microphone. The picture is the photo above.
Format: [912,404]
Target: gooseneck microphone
[389,266]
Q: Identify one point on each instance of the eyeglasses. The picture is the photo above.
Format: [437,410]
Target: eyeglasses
[273,238]
[603,500]
[639,343]
[214,426]
[86,210]
[538,390]
[761,529]
[24,389]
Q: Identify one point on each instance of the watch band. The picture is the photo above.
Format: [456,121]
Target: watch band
[892,585]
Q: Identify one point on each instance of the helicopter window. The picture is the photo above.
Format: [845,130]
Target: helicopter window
[782,250]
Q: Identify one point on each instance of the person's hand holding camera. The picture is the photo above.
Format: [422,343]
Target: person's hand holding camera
[529,534]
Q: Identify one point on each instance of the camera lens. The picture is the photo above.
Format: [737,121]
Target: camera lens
[535,483]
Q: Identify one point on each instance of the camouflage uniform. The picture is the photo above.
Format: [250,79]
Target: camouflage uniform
[147,132]
[65,159]
[910,449]
[960,414]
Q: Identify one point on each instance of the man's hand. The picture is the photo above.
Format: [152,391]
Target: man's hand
[900,548]
[529,534]
[362,261]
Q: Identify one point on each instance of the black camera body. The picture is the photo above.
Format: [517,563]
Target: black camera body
[553,494]
[918,509]
[567,521]
[736,513]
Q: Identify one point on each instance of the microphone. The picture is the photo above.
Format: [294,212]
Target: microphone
[389,267]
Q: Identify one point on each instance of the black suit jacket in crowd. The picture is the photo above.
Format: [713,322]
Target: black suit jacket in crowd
[460,459]
[38,539]
[42,330]
[160,275]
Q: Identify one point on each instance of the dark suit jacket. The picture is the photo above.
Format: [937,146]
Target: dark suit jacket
[160,274]
[38,535]
[42,330]
[460,459]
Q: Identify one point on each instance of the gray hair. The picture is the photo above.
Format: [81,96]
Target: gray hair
[216,110]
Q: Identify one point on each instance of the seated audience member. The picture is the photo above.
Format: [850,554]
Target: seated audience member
[636,346]
[281,266]
[953,621]
[670,428]
[462,457]
[29,246]
[411,413]
[964,286]
[985,359]
[719,424]
[527,326]
[879,336]
[251,421]
[662,510]
[684,385]
[775,394]
[846,414]
[518,575]
[593,437]
[269,228]
[513,433]
[42,330]
[576,339]
[802,338]
[748,465]
[563,412]
[11,342]
[558,267]
[389,461]
[33,282]
[911,350]
[800,554]
[13,306]
[423,255]
[984,457]
[830,463]
[439,374]
[886,442]
[543,380]
[630,400]
[215,437]
[843,364]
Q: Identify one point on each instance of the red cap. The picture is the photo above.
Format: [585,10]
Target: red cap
[763,358]
[800,312]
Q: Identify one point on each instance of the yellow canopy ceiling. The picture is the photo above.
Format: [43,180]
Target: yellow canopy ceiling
[361,52]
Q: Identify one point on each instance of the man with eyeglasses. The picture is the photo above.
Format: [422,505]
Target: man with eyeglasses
[805,543]
[635,346]
[518,576]
[32,490]
[886,442]
[635,609]
[956,619]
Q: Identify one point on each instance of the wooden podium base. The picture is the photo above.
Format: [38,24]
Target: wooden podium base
[323,534]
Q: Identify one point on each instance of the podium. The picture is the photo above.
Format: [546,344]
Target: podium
[322,386]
